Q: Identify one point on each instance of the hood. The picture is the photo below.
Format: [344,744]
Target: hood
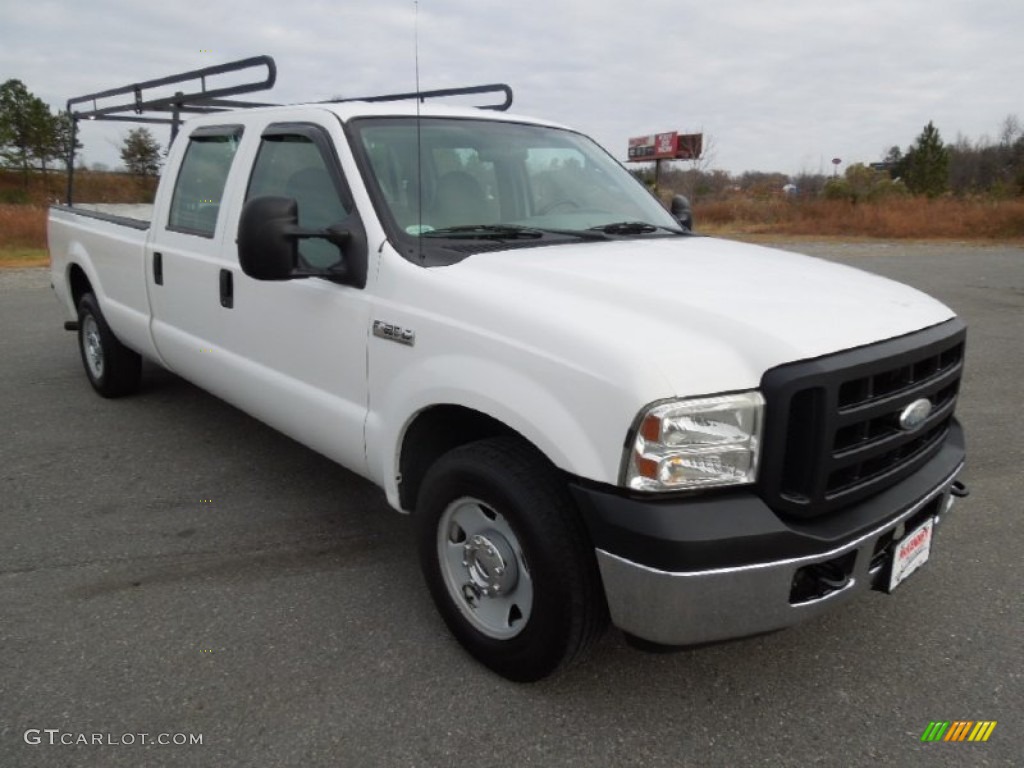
[709,315]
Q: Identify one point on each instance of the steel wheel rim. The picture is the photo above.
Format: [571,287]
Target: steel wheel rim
[92,346]
[483,568]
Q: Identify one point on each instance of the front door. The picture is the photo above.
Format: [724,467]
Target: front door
[303,342]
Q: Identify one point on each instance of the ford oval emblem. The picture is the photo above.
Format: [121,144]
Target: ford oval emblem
[915,414]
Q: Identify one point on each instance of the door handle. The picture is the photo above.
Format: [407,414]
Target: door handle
[158,268]
[227,289]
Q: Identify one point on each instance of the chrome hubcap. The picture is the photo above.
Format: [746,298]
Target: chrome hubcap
[92,346]
[484,568]
[490,563]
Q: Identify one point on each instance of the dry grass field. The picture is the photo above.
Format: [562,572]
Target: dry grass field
[23,212]
[905,218]
[22,235]
[22,226]
[23,215]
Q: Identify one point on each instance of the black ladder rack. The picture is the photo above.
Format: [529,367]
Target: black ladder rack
[199,101]
[441,93]
[204,99]
[167,110]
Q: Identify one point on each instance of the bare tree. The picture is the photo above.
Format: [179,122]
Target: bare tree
[989,167]
[694,177]
[695,172]
[1010,131]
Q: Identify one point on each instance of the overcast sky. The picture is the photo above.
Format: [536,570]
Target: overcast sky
[783,86]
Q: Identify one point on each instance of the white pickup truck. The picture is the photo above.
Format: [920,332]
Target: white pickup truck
[590,411]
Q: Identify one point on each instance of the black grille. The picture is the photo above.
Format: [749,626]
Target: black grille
[832,432]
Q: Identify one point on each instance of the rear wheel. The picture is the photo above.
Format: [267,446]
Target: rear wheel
[112,368]
[507,560]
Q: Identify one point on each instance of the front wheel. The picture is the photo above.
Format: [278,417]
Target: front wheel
[507,559]
[112,368]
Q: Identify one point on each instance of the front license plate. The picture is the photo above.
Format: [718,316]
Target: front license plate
[911,553]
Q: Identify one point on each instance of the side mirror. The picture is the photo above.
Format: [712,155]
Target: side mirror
[265,252]
[268,241]
[682,211]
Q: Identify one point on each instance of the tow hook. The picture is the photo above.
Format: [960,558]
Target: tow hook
[818,580]
[827,574]
[959,490]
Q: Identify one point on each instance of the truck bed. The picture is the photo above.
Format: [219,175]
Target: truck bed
[127,214]
[108,243]
[135,212]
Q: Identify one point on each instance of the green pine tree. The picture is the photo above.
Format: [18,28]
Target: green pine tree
[26,127]
[140,152]
[65,134]
[927,164]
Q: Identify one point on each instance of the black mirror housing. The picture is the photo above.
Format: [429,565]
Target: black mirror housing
[265,250]
[682,211]
[268,244]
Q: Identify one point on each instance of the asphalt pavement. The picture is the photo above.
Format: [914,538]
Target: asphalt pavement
[171,567]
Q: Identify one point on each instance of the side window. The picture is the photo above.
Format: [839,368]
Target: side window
[200,184]
[292,165]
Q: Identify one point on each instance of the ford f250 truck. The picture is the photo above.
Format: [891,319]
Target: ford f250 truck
[590,412]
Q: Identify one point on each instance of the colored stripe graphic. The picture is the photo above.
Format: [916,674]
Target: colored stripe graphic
[935,730]
[982,730]
[959,730]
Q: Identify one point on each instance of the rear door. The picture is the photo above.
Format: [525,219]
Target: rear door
[185,256]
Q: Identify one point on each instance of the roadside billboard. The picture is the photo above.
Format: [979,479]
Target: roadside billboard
[665,146]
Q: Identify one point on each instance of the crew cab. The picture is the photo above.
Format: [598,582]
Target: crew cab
[590,412]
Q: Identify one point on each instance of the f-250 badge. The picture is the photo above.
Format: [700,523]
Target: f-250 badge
[394,332]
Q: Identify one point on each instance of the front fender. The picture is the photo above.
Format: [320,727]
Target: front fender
[576,432]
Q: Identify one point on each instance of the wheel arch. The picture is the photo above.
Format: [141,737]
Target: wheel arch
[433,432]
[79,283]
[461,398]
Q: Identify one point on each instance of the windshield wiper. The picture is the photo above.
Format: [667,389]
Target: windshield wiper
[485,231]
[509,232]
[633,228]
[582,234]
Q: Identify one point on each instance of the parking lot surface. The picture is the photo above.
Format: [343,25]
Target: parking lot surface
[171,567]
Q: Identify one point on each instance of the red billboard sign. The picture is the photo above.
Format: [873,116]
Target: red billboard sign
[666,146]
[654,147]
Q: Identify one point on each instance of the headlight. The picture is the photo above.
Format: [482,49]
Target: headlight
[697,443]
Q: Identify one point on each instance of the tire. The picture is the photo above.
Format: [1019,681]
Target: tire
[112,368]
[507,559]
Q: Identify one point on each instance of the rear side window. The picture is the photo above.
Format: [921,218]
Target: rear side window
[200,185]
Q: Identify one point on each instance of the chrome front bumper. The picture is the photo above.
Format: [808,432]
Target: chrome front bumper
[692,607]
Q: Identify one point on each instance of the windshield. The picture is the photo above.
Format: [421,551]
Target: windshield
[485,179]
